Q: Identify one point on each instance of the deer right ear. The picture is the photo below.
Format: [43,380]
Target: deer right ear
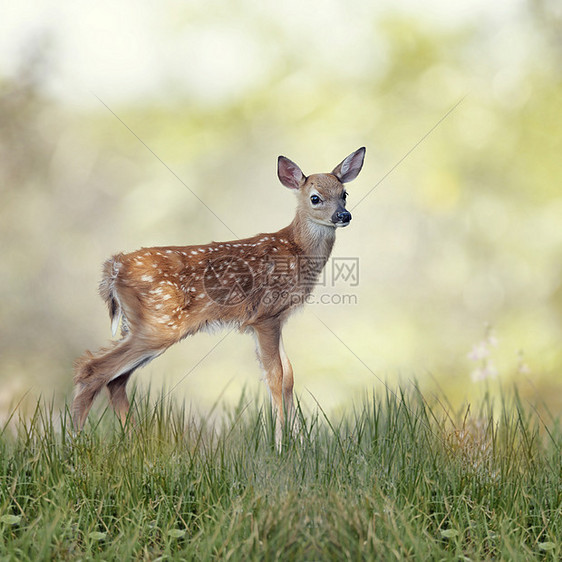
[290,175]
[349,168]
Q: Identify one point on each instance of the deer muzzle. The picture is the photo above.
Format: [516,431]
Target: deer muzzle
[341,217]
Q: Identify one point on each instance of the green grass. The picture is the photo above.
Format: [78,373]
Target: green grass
[396,478]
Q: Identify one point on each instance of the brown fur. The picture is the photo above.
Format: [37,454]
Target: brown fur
[164,294]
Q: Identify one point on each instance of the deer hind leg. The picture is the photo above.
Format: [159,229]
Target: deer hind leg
[118,396]
[95,371]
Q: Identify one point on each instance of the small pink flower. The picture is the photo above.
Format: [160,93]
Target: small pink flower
[492,339]
[488,371]
[479,352]
[477,375]
[523,369]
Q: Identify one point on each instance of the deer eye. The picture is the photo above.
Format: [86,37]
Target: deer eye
[314,199]
[344,195]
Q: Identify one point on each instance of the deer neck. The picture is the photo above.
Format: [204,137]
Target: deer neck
[314,239]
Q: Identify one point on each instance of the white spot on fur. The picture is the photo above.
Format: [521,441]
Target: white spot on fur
[147,278]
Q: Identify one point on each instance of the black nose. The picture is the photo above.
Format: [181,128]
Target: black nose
[343,216]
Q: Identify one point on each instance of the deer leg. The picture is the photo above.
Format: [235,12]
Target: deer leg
[118,396]
[118,393]
[268,337]
[287,378]
[288,402]
[94,371]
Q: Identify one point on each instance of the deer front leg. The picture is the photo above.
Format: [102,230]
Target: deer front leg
[292,418]
[268,337]
[287,379]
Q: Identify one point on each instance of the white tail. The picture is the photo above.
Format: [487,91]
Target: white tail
[162,295]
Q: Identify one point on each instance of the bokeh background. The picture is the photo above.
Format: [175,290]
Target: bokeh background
[115,118]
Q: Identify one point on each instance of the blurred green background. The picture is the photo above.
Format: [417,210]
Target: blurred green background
[104,106]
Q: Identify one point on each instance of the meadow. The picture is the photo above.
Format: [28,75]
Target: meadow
[400,476]
[127,125]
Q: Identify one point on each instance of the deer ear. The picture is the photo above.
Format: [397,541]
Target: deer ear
[290,175]
[349,169]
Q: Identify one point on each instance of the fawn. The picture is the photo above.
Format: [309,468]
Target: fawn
[161,295]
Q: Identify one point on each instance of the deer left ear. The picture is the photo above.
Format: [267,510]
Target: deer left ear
[349,169]
[290,175]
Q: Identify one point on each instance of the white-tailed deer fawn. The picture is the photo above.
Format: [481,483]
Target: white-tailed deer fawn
[162,295]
